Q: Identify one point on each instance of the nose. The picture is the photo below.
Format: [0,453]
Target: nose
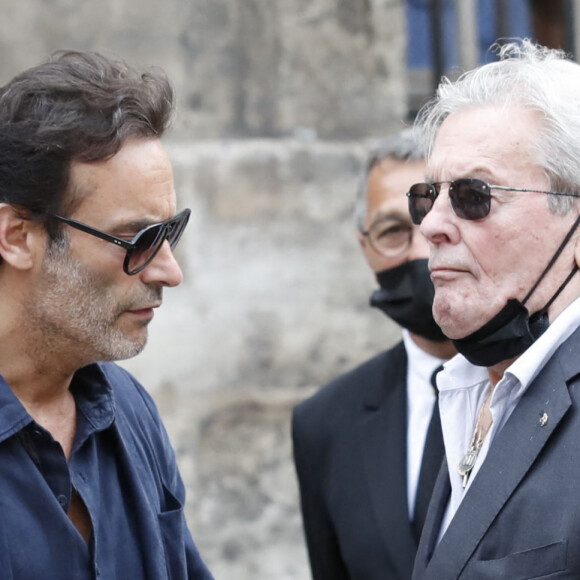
[163,269]
[439,223]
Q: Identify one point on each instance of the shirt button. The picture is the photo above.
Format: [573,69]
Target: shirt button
[62,500]
[37,433]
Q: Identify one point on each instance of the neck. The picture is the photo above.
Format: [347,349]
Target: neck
[441,349]
[42,389]
[29,363]
[34,385]
[37,368]
[496,372]
[43,392]
[568,295]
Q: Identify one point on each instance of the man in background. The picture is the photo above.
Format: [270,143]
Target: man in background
[89,485]
[365,480]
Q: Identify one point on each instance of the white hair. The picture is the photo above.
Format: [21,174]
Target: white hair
[526,75]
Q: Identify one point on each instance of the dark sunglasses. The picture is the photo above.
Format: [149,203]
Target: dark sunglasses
[470,198]
[145,245]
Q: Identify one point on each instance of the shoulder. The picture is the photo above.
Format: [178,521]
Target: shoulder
[355,383]
[568,361]
[130,396]
[346,394]
[139,424]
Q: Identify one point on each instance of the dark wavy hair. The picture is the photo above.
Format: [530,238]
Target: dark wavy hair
[77,106]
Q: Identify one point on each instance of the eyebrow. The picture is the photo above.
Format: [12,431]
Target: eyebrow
[475,173]
[135,225]
[384,216]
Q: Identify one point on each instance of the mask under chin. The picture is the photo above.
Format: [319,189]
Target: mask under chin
[507,335]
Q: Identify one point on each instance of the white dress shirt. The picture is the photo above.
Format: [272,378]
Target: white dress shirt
[463,387]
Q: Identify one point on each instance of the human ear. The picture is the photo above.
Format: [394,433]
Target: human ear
[361,240]
[368,253]
[577,250]
[19,238]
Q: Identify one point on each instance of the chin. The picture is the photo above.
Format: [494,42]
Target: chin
[448,326]
[122,347]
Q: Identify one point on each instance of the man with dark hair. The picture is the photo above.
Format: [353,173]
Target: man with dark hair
[89,484]
[364,470]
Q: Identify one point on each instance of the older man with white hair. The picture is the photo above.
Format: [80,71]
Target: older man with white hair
[500,212]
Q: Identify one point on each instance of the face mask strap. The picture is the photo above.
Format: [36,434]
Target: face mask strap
[551,263]
[562,286]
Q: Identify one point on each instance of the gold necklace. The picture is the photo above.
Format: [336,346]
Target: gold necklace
[467,462]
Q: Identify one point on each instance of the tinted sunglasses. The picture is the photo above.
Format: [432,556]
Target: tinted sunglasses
[470,198]
[144,246]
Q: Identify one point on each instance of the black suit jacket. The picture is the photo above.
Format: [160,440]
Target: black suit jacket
[350,456]
[520,518]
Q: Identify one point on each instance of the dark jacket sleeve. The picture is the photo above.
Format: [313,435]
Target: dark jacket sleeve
[329,428]
[323,549]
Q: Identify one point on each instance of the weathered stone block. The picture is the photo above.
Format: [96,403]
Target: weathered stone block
[242,490]
[276,290]
[252,68]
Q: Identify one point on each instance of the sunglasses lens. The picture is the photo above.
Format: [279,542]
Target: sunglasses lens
[421,199]
[151,239]
[176,228]
[146,246]
[470,198]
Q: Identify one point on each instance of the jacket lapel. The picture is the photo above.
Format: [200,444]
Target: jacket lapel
[383,442]
[433,454]
[439,500]
[510,457]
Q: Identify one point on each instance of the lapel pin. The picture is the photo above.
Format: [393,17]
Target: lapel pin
[543,419]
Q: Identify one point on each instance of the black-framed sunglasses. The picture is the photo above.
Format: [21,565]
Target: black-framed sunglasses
[470,198]
[146,243]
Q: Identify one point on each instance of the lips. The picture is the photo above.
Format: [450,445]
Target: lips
[446,269]
[437,263]
[143,309]
[441,272]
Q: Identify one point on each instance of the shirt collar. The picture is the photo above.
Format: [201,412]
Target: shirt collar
[13,415]
[526,367]
[93,395]
[422,363]
[459,373]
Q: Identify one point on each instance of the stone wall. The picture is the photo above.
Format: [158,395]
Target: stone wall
[274,304]
[277,102]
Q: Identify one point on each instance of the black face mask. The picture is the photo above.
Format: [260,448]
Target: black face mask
[512,330]
[406,295]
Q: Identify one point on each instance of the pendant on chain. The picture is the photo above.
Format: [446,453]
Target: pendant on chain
[468,461]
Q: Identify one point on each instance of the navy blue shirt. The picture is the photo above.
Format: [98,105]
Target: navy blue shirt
[123,467]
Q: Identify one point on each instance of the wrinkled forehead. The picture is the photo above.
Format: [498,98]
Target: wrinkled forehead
[485,139]
[137,181]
